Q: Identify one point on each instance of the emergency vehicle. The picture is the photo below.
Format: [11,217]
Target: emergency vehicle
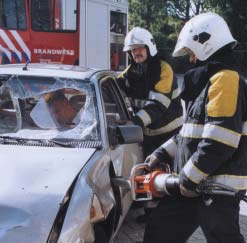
[81,32]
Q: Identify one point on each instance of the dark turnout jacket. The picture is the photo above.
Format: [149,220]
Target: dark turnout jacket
[213,140]
[154,95]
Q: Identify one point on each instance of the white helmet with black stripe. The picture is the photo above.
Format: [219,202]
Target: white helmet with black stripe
[139,36]
[204,34]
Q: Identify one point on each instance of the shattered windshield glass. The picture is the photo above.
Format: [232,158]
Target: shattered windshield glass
[48,108]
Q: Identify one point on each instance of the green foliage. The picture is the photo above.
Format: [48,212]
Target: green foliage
[164,18]
[153,15]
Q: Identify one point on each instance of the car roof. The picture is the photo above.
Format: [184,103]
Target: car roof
[48,70]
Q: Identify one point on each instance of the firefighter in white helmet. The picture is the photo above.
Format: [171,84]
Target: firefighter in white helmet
[152,90]
[212,142]
[150,84]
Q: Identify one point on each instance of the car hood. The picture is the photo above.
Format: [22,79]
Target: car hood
[33,183]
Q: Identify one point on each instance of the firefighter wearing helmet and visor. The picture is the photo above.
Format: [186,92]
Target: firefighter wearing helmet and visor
[152,89]
[212,142]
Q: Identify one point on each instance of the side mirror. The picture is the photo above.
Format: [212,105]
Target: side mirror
[125,134]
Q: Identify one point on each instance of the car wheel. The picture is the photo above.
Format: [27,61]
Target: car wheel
[100,235]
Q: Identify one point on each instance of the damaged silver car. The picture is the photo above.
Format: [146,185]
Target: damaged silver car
[65,135]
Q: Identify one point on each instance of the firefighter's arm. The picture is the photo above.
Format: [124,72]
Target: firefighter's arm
[220,134]
[165,153]
[160,98]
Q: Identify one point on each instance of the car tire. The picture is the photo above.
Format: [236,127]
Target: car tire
[100,235]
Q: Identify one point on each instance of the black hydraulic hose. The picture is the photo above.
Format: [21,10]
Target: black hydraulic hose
[205,187]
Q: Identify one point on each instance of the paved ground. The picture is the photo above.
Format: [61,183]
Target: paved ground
[131,232]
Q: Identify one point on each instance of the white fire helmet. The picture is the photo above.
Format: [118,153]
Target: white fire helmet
[139,36]
[204,34]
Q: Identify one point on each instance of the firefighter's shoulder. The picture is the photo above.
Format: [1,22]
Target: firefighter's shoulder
[223,94]
[166,78]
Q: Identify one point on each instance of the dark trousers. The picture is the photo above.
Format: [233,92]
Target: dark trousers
[176,218]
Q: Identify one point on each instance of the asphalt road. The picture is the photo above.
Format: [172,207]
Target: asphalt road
[131,232]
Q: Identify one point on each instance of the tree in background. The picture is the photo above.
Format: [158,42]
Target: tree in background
[165,19]
[153,15]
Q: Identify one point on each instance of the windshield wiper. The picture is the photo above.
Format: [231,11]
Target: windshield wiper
[25,141]
[6,139]
[60,143]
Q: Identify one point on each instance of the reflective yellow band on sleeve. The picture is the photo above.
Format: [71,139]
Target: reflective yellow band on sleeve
[165,129]
[191,130]
[144,116]
[193,173]
[165,101]
[221,135]
[170,147]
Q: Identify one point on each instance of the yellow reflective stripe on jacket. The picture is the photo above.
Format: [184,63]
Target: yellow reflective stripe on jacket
[196,176]
[221,135]
[165,129]
[193,173]
[223,94]
[237,182]
[159,97]
[166,78]
[144,116]
[217,133]
[192,130]
[170,147]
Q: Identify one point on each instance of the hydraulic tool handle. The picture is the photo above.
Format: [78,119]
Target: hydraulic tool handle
[144,185]
[135,184]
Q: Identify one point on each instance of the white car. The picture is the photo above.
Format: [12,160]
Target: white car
[65,133]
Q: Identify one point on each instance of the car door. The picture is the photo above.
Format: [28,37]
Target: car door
[123,156]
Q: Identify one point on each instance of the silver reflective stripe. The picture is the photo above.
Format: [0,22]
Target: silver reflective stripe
[193,173]
[167,128]
[244,129]
[159,97]
[146,119]
[221,135]
[170,147]
[191,130]
[237,182]
[138,103]
[175,93]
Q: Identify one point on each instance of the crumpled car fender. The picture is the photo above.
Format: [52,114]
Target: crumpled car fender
[93,180]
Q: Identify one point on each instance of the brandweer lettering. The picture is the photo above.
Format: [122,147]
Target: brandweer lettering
[54,52]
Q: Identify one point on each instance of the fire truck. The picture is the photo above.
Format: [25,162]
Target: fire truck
[81,32]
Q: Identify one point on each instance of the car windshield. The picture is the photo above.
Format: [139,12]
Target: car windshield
[48,108]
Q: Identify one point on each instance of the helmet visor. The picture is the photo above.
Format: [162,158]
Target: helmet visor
[132,47]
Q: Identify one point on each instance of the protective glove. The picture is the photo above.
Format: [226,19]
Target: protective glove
[152,161]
